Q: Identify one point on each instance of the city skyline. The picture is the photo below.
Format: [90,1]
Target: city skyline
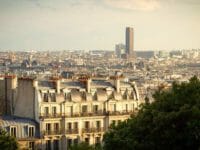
[92,24]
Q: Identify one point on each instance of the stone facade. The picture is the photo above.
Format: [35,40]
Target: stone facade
[69,111]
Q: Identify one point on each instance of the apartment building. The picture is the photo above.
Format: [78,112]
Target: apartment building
[69,111]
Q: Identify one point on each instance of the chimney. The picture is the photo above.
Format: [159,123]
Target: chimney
[10,87]
[117,84]
[58,86]
[35,83]
[14,82]
[88,84]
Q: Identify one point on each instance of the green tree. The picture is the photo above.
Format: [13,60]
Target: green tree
[172,122]
[85,146]
[7,142]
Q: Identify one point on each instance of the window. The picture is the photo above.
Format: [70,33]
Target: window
[53,97]
[69,126]
[84,109]
[98,124]
[48,128]
[13,131]
[48,145]
[126,107]
[87,124]
[65,96]
[69,142]
[133,107]
[87,140]
[31,131]
[69,110]
[31,145]
[97,140]
[95,108]
[54,110]
[56,144]
[75,125]
[56,128]
[46,111]
[76,141]
[45,98]
[113,107]
[113,122]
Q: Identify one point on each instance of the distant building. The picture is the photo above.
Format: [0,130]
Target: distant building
[163,54]
[67,74]
[176,53]
[129,42]
[145,54]
[120,49]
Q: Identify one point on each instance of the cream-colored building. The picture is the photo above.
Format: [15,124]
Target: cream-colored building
[72,110]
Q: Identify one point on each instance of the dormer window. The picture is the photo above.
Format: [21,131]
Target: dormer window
[53,97]
[31,131]
[13,131]
[65,96]
[84,109]
[45,97]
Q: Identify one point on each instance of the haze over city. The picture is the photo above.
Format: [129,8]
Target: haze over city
[98,24]
[99,74]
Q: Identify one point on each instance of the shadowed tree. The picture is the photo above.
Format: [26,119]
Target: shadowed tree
[171,122]
[85,146]
[7,142]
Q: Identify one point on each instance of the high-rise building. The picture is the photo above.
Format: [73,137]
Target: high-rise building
[129,42]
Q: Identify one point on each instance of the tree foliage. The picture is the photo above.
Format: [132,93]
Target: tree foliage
[171,122]
[7,142]
[85,146]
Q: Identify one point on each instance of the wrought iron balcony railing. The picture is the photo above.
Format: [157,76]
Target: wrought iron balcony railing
[113,113]
[71,131]
[49,132]
[93,130]
[85,114]
[44,115]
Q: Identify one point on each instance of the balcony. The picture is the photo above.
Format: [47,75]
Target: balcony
[96,113]
[87,130]
[56,132]
[86,114]
[93,130]
[100,129]
[71,131]
[116,113]
[43,115]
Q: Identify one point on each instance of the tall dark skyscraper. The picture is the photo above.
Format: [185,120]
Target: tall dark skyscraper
[129,42]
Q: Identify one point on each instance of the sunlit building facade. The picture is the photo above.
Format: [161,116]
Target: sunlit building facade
[70,111]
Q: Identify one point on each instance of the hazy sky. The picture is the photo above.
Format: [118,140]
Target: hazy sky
[98,24]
